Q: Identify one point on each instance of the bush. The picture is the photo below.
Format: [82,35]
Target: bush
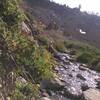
[95,61]
[85,57]
[70,44]
[25,91]
[43,40]
[59,46]
[43,62]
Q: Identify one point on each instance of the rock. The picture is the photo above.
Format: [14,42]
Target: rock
[91,94]
[54,84]
[25,29]
[44,94]
[70,75]
[72,52]
[45,98]
[72,93]
[21,80]
[98,82]
[83,68]
[84,87]
[8,98]
[81,77]
[59,97]
[72,59]
[33,98]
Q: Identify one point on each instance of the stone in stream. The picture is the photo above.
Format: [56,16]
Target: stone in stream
[91,94]
[83,68]
[84,87]
[81,77]
[98,82]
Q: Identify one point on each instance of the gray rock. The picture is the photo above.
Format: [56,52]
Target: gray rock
[91,94]
[80,76]
[84,87]
[54,84]
[45,98]
[83,68]
[98,83]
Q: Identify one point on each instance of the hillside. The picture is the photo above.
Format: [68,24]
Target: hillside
[70,21]
[40,55]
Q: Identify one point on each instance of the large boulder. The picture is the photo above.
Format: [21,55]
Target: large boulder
[91,94]
[54,84]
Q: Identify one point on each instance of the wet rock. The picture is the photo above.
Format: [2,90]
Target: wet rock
[98,83]
[83,68]
[84,87]
[80,76]
[70,75]
[91,94]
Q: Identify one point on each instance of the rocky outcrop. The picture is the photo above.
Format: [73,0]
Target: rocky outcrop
[91,94]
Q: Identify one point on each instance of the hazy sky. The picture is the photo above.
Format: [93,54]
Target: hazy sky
[87,5]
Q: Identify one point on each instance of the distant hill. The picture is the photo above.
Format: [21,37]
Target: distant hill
[69,20]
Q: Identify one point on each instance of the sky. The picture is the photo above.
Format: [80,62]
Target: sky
[86,5]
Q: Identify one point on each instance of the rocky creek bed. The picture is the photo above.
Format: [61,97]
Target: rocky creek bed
[73,81]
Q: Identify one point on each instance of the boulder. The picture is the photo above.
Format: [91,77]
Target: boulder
[54,84]
[91,94]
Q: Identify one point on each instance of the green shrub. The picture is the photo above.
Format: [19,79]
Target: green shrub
[43,61]
[42,40]
[59,46]
[95,61]
[25,91]
[85,57]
